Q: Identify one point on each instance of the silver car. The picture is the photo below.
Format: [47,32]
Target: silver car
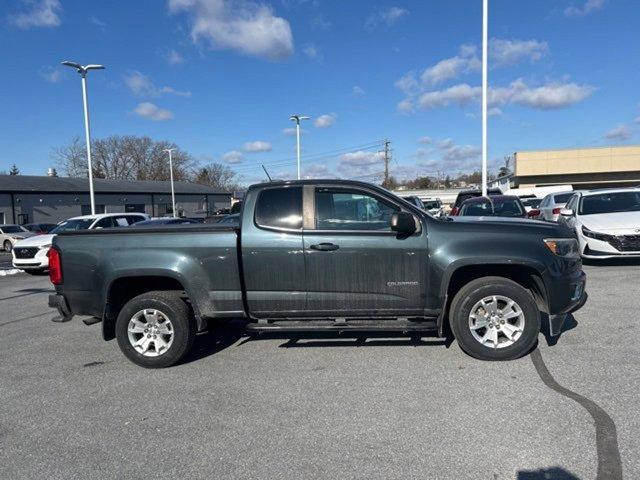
[552,204]
[10,234]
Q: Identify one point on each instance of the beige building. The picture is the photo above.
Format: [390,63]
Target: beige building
[581,167]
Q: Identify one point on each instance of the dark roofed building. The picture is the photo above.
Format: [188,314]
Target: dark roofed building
[43,199]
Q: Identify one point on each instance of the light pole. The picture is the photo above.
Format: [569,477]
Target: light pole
[485,28]
[173,195]
[82,70]
[297,118]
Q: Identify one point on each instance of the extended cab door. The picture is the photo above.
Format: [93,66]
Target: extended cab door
[272,251]
[356,265]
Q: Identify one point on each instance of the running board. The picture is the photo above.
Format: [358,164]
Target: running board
[344,325]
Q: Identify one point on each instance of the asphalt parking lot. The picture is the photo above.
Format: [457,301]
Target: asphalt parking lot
[292,407]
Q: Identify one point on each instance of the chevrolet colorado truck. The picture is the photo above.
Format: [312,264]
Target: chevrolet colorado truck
[324,255]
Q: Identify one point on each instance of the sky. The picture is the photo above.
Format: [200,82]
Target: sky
[221,78]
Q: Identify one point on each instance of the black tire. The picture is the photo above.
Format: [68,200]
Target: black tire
[475,291]
[176,310]
[7,246]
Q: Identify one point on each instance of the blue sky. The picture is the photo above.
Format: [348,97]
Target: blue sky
[221,79]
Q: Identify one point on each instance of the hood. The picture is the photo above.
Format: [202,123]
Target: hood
[502,224]
[35,241]
[619,223]
[20,235]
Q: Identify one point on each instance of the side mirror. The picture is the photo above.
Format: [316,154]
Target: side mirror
[403,223]
[566,212]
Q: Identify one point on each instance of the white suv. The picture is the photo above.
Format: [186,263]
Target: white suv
[30,254]
[606,222]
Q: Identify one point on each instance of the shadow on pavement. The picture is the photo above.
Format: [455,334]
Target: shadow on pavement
[210,343]
[569,324]
[553,473]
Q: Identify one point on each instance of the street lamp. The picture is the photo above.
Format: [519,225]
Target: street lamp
[485,28]
[173,195]
[297,118]
[82,70]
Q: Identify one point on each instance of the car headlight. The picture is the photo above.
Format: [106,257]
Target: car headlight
[563,247]
[598,236]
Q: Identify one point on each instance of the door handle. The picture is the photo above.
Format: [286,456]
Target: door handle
[325,247]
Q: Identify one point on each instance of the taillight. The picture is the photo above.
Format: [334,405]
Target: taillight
[533,213]
[454,211]
[55,266]
[556,211]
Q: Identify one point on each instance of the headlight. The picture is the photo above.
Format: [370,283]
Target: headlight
[45,247]
[563,247]
[598,236]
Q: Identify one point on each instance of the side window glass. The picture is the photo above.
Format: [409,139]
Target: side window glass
[106,222]
[121,222]
[339,209]
[571,204]
[280,208]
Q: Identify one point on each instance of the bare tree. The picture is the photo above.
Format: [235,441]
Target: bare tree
[125,158]
[217,175]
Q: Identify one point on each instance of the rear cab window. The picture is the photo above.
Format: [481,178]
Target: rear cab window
[279,208]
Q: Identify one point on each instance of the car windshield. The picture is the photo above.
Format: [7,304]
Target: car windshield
[610,203]
[12,229]
[562,198]
[532,202]
[77,224]
[508,207]
[429,204]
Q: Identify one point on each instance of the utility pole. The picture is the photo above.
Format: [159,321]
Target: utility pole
[485,29]
[387,158]
[173,193]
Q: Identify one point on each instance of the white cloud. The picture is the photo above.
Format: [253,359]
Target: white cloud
[360,163]
[142,86]
[233,156]
[257,146]
[387,16]
[457,153]
[494,112]
[619,133]
[325,121]
[551,96]
[312,52]
[51,74]
[153,112]
[425,140]
[43,13]
[405,106]
[174,58]
[460,94]
[588,7]
[510,52]
[97,22]
[316,171]
[247,27]
[289,131]
[407,83]
[357,91]
[449,68]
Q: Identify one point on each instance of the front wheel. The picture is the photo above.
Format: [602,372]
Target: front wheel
[8,246]
[155,329]
[494,318]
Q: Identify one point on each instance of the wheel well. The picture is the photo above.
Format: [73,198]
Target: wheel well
[523,275]
[124,289]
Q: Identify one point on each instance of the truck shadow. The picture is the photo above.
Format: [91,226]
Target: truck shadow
[353,339]
[569,324]
[553,473]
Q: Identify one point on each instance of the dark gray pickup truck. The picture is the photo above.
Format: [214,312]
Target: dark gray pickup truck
[321,255]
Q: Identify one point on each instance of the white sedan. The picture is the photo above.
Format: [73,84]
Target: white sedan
[30,254]
[606,222]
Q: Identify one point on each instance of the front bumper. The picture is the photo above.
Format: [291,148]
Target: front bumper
[58,302]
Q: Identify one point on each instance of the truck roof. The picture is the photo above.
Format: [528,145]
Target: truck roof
[330,181]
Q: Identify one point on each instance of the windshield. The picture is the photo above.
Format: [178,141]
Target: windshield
[79,224]
[13,229]
[532,202]
[562,198]
[610,203]
[429,204]
[495,208]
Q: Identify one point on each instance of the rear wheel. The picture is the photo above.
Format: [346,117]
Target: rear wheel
[155,329]
[494,318]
